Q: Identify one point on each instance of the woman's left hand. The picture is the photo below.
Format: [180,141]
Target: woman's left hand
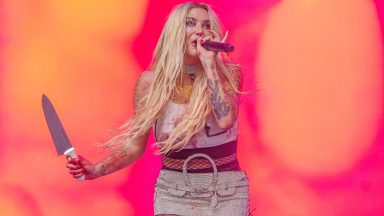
[207,57]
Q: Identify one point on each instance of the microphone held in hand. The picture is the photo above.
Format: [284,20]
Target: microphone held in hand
[218,46]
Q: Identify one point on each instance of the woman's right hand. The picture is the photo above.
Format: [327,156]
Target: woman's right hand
[81,166]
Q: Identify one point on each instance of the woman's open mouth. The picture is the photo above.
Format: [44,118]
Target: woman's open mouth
[194,43]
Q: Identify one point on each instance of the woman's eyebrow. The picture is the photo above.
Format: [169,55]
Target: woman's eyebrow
[194,19]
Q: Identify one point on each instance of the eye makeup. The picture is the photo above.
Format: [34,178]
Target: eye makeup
[191,22]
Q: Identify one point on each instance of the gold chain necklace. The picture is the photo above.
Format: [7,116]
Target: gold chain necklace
[183,89]
[181,94]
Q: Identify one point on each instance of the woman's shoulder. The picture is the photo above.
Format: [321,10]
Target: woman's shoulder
[146,76]
[143,83]
[142,88]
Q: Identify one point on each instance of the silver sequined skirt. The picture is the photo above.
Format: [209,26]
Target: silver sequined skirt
[211,194]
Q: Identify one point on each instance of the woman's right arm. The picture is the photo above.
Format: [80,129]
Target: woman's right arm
[119,158]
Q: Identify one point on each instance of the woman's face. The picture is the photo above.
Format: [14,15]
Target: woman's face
[197,24]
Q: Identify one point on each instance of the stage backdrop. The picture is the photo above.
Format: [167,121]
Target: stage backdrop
[311,137]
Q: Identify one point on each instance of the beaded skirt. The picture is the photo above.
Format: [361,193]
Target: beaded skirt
[212,194]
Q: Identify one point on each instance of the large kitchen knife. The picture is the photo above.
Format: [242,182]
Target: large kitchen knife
[60,138]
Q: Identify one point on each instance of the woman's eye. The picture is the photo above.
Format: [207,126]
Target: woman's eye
[189,23]
[207,26]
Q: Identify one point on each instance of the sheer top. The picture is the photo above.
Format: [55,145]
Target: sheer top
[211,136]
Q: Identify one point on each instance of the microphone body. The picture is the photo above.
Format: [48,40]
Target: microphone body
[218,46]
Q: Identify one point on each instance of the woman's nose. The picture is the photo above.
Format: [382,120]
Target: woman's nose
[199,33]
[199,30]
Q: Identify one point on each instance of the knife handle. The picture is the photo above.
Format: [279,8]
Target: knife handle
[71,153]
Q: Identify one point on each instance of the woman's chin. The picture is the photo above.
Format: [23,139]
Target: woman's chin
[192,54]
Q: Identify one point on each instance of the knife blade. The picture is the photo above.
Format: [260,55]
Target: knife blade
[60,139]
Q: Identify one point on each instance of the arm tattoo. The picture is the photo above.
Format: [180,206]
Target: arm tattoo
[112,163]
[103,168]
[220,107]
[213,66]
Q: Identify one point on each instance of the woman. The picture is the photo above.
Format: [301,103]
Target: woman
[190,99]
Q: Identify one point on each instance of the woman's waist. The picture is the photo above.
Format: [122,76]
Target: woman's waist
[228,163]
[203,160]
[216,151]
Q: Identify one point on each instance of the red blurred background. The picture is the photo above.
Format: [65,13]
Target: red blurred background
[312,132]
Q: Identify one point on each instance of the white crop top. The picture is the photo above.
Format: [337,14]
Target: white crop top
[211,136]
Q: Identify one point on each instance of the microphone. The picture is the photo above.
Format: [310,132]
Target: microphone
[218,46]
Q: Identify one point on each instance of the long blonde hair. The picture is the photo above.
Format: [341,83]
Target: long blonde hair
[167,63]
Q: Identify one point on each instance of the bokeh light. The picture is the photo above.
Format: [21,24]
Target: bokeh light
[312,132]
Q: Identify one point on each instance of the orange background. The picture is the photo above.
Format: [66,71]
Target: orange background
[312,132]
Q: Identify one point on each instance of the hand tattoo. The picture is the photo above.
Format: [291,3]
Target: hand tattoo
[220,107]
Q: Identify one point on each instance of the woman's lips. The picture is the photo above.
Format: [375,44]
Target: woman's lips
[194,43]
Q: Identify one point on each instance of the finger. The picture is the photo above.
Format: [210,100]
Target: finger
[69,158]
[73,166]
[225,37]
[78,175]
[76,159]
[214,35]
[73,161]
[206,38]
[199,42]
[77,171]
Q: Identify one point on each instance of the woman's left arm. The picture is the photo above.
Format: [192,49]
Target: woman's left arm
[223,99]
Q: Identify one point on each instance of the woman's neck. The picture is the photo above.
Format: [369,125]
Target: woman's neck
[191,70]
